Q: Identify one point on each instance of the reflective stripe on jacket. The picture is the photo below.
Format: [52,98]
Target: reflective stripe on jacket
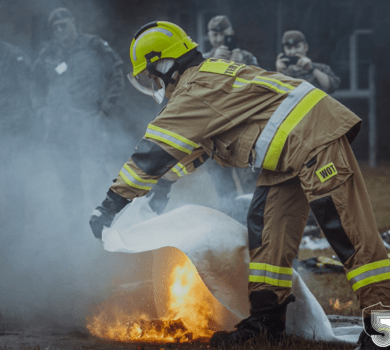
[243,115]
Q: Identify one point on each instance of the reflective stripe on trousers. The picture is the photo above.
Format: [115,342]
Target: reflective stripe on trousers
[274,275]
[369,273]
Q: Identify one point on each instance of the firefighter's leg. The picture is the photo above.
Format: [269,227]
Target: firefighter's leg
[338,197]
[276,220]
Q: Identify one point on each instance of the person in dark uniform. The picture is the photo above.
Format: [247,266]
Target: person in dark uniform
[76,81]
[295,47]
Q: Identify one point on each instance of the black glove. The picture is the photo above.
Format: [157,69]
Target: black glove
[160,195]
[104,214]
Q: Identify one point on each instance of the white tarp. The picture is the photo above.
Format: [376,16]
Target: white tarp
[217,246]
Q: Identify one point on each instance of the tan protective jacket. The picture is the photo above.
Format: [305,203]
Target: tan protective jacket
[240,116]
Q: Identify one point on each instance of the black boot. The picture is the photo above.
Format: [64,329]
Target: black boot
[268,322]
[365,341]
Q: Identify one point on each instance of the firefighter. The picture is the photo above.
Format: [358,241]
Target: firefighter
[242,116]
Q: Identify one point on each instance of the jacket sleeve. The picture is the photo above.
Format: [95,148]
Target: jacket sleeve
[171,142]
[334,80]
[187,165]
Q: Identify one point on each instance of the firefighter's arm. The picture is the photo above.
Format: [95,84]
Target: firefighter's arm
[161,192]
[187,165]
[168,139]
[137,177]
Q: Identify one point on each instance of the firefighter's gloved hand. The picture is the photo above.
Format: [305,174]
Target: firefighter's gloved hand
[161,195]
[105,213]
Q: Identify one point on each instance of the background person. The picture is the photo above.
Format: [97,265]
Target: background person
[218,28]
[236,181]
[318,74]
[76,81]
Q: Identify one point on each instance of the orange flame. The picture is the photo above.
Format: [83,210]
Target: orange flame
[339,306]
[190,310]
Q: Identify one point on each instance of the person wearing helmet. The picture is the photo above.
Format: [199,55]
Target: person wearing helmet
[295,63]
[219,27]
[297,135]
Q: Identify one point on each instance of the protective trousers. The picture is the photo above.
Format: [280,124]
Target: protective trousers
[330,182]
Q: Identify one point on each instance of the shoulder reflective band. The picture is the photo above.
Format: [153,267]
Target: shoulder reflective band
[370,273]
[170,138]
[274,275]
[272,84]
[180,170]
[133,180]
[219,66]
[291,111]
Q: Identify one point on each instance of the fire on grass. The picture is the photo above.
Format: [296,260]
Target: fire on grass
[339,306]
[190,310]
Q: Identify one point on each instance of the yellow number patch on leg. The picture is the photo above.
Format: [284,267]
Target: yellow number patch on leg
[327,172]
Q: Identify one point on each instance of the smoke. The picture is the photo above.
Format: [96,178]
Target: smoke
[53,175]
[56,167]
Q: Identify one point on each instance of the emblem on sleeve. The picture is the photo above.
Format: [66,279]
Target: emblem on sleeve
[327,172]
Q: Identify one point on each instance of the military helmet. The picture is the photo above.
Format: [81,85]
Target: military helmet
[152,43]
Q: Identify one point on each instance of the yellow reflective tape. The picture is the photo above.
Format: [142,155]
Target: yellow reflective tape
[369,280]
[168,142]
[272,281]
[132,184]
[268,85]
[219,66]
[270,268]
[326,172]
[183,168]
[277,82]
[177,172]
[132,173]
[368,267]
[329,261]
[292,120]
[173,134]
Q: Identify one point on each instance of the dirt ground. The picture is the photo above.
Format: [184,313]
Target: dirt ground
[77,338]
[57,337]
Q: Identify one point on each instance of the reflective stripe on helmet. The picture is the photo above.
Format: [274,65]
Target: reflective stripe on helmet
[133,180]
[170,138]
[370,273]
[270,274]
[157,29]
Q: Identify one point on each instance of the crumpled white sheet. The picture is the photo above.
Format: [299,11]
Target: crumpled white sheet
[217,246]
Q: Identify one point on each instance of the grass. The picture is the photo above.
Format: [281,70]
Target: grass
[326,287]
[378,185]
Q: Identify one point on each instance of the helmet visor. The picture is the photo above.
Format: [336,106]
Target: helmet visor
[148,86]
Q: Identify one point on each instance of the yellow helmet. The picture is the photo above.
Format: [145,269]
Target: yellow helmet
[158,40]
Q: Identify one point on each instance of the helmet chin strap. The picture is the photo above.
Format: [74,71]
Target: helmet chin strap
[180,65]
